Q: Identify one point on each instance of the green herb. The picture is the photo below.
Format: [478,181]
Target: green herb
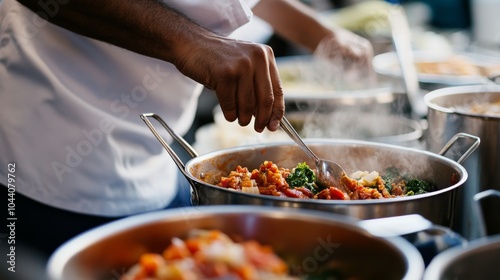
[302,176]
[391,174]
[417,186]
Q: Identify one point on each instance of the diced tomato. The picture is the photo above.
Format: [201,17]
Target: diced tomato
[336,193]
[294,193]
[150,263]
[332,193]
[307,192]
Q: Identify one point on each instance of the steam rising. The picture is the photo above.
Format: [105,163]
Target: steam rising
[346,102]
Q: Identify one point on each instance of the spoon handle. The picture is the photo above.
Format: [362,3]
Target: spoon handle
[288,128]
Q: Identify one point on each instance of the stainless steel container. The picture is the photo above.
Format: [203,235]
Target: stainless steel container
[438,206]
[449,114]
[478,259]
[306,240]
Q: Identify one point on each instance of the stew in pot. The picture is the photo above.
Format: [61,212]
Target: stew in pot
[300,182]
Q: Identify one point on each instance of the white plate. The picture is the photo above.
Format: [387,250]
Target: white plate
[387,64]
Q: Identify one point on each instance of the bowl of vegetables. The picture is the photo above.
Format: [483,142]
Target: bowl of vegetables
[234,242]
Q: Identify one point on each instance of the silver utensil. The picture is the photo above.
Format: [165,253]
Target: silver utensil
[401,36]
[328,173]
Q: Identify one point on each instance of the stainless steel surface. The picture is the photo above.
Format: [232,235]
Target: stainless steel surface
[438,206]
[305,239]
[329,173]
[401,35]
[478,260]
[447,116]
[454,140]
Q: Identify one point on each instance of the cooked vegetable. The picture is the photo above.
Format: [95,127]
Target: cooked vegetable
[299,182]
[303,176]
[210,254]
[404,183]
[417,186]
[391,173]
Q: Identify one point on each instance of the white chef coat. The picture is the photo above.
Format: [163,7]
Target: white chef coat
[70,108]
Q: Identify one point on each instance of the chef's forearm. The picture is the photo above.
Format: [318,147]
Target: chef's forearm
[294,21]
[143,26]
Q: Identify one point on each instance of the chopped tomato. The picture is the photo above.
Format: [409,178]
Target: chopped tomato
[150,263]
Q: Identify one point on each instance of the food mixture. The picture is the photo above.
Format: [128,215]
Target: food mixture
[486,108]
[210,254]
[300,182]
[456,65]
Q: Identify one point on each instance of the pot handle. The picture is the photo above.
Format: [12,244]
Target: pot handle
[469,151]
[481,201]
[493,78]
[183,143]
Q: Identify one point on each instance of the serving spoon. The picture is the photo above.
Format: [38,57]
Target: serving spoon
[328,173]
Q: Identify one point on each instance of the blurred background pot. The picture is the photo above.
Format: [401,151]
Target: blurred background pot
[380,128]
[469,109]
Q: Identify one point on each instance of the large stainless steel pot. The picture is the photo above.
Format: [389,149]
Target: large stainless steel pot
[307,240]
[448,115]
[439,206]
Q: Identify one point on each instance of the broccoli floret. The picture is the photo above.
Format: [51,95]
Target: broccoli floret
[302,176]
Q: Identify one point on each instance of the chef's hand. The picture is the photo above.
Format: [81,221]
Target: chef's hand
[296,22]
[354,49]
[349,57]
[243,75]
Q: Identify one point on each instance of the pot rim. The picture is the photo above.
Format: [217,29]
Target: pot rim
[55,269]
[345,142]
[443,260]
[459,90]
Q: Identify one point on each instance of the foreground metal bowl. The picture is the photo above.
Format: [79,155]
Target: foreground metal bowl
[305,239]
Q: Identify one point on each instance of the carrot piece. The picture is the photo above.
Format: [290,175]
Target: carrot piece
[174,252]
[150,263]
